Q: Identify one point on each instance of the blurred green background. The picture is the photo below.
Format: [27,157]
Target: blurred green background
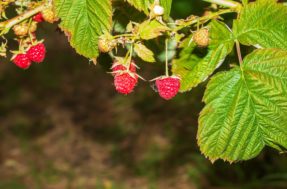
[63,126]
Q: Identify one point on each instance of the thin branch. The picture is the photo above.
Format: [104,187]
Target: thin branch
[8,24]
[204,19]
[225,3]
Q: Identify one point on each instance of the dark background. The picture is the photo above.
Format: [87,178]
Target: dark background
[63,126]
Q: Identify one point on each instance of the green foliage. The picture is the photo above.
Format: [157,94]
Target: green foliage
[151,29]
[144,53]
[83,22]
[193,70]
[262,23]
[245,2]
[144,5]
[246,108]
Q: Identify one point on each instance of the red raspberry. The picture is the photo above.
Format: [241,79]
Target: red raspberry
[37,53]
[22,61]
[125,83]
[168,87]
[120,67]
[38,17]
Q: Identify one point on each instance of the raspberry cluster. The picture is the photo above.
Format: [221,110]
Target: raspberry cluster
[31,50]
[36,53]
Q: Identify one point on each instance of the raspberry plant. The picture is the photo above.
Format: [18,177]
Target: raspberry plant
[246,105]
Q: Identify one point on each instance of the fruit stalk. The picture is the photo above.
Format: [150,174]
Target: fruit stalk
[166,58]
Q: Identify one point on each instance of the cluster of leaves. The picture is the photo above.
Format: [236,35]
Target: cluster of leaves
[246,105]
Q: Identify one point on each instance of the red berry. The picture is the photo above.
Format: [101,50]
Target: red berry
[125,83]
[168,87]
[22,61]
[38,17]
[120,67]
[37,53]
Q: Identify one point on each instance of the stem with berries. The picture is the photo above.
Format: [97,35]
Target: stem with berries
[8,24]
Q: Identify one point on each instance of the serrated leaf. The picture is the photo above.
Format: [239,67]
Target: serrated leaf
[84,22]
[246,108]
[151,29]
[144,53]
[193,70]
[144,5]
[262,24]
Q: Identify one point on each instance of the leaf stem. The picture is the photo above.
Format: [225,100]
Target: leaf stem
[239,52]
[225,3]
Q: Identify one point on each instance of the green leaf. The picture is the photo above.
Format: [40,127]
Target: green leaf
[151,29]
[143,5]
[83,22]
[193,70]
[262,24]
[144,53]
[245,2]
[246,108]
[166,4]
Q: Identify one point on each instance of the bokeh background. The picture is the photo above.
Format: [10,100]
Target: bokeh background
[63,126]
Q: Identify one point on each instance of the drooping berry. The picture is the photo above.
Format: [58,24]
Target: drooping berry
[125,82]
[48,15]
[38,17]
[168,87]
[22,61]
[201,37]
[37,53]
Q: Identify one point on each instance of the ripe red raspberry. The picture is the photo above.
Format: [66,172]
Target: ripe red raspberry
[22,61]
[125,82]
[168,87]
[120,67]
[37,53]
[38,17]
